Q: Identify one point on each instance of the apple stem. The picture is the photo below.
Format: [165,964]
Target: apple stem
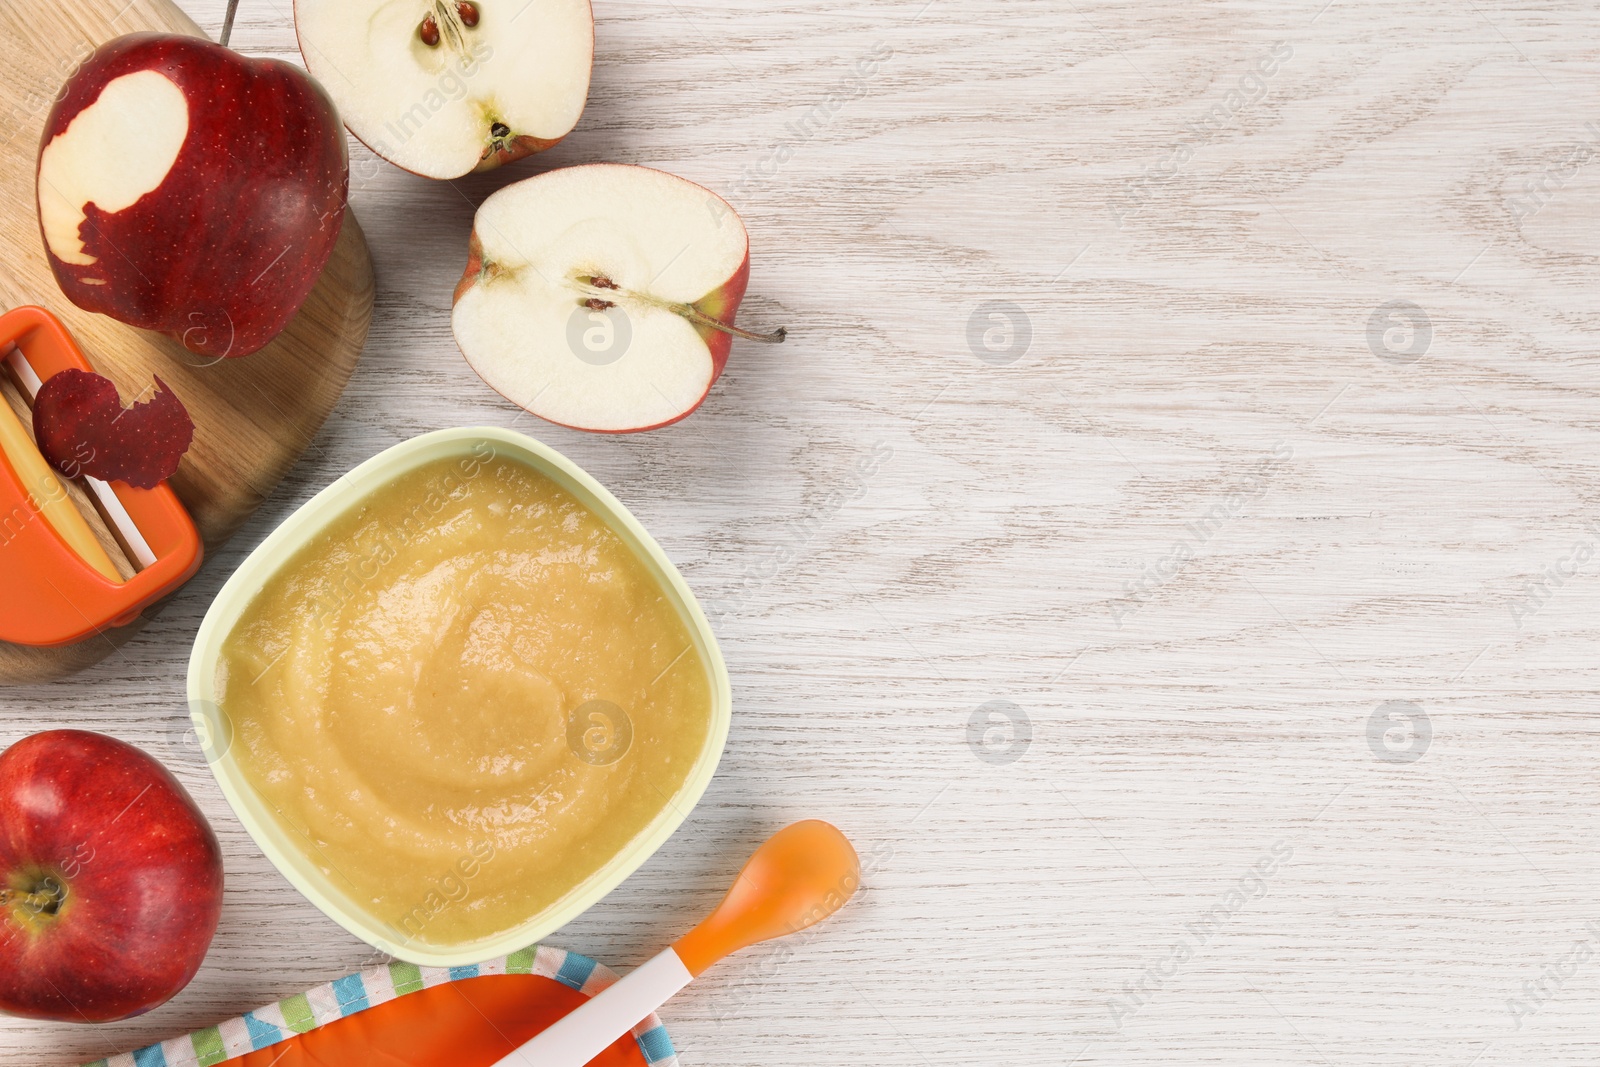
[700,318]
[227,23]
[603,289]
[43,901]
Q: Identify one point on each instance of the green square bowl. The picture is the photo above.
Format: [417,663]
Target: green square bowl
[282,846]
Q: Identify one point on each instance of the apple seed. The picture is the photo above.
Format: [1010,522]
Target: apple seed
[599,281]
[448,20]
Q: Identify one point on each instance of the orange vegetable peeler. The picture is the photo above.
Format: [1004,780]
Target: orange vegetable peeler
[62,579]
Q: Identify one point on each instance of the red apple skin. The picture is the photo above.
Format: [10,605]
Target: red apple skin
[222,254]
[142,873]
[516,148]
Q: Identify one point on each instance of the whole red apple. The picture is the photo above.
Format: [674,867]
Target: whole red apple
[110,879]
[186,189]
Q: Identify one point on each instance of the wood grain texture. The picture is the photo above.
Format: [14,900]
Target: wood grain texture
[1201,529]
[253,416]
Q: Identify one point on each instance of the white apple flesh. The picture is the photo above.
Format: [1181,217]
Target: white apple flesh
[445,87]
[118,148]
[602,297]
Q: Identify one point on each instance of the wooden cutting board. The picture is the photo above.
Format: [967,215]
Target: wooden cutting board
[253,416]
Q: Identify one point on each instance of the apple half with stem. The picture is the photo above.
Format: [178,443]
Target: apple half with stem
[187,189]
[446,87]
[602,297]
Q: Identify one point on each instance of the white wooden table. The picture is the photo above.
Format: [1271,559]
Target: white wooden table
[1192,379]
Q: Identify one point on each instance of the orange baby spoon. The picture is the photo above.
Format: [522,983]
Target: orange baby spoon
[803,874]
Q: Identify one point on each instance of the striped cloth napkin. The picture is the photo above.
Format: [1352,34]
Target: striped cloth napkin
[278,1022]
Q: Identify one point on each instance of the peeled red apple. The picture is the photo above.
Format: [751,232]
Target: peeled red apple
[186,189]
[110,879]
[446,87]
[602,297]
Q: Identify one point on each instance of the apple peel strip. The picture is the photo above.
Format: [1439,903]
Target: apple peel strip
[103,493]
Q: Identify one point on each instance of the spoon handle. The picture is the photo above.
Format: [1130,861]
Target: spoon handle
[582,1034]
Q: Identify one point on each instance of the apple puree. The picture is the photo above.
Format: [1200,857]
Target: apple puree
[464,698]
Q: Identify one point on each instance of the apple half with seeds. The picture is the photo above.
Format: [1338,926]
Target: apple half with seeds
[602,297]
[446,87]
